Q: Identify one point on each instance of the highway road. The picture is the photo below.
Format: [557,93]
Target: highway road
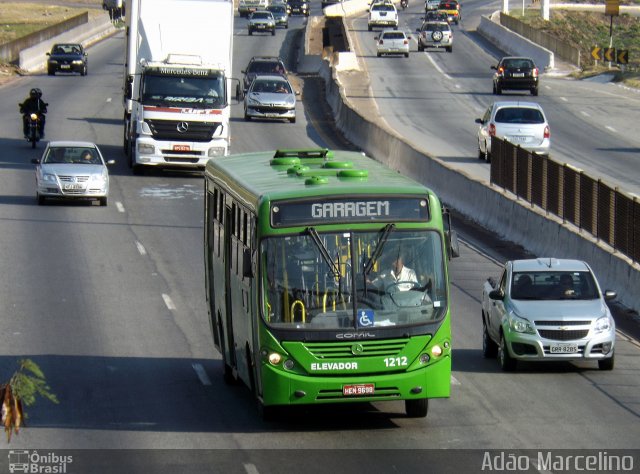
[111,303]
[433,97]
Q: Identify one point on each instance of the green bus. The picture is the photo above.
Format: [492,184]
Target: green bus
[326,279]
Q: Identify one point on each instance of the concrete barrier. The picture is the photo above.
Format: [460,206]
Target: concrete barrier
[513,219]
[514,44]
[35,58]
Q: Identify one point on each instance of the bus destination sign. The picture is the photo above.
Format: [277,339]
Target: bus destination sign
[349,210]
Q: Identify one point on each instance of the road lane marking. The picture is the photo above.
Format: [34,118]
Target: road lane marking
[610,128]
[168,302]
[564,99]
[455,381]
[437,67]
[202,374]
[251,469]
[119,206]
[585,113]
[108,99]
[141,248]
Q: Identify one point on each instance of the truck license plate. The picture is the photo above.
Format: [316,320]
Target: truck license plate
[358,389]
[181,148]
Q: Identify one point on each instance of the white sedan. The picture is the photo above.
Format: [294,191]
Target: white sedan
[72,170]
[393,42]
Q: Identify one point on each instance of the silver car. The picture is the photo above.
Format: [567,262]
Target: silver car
[270,97]
[262,21]
[393,42]
[521,123]
[72,170]
[435,34]
[547,309]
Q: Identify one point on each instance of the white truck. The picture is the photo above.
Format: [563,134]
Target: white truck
[177,82]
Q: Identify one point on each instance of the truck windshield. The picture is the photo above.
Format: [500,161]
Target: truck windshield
[203,92]
[329,281]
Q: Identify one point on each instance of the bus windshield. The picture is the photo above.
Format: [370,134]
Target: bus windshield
[337,281]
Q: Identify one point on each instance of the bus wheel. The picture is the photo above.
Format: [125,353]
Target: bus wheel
[267,413]
[417,408]
[227,371]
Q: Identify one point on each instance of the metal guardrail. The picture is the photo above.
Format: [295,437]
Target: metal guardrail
[608,214]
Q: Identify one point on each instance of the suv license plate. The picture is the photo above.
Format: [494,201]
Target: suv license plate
[518,74]
[72,187]
[358,389]
[563,348]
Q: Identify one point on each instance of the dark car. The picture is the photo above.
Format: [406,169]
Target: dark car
[260,65]
[68,57]
[299,7]
[514,73]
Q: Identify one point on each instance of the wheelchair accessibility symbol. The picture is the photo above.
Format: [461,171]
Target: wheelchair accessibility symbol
[365,318]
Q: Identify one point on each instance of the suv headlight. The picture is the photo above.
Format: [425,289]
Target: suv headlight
[603,324]
[518,324]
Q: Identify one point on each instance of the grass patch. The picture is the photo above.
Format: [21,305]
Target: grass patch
[20,19]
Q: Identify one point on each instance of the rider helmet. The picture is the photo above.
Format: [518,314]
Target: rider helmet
[39,92]
[33,93]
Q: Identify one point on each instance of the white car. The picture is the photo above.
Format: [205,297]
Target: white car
[431,5]
[393,42]
[521,123]
[72,170]
[547,309]
[270,97]
[383,14]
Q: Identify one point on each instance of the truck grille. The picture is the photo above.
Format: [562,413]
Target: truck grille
[195,131]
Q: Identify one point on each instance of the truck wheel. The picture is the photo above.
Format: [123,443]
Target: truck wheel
[416,408]
[507,363]
[489,348]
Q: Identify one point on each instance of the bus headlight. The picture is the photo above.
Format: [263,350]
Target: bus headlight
[275,358]
[436,351]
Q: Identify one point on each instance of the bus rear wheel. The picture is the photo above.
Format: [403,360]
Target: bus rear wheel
[417,408]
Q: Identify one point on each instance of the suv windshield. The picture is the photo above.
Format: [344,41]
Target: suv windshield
[348,280]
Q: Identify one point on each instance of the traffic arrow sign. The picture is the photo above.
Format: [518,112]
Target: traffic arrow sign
[623,56]
[610,54]
[596,53]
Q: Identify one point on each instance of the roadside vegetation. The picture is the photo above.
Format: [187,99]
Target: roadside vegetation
[584,30]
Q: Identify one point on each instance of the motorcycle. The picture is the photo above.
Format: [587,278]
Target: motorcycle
[404,4]
[33,128]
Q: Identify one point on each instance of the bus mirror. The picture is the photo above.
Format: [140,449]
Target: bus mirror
[247,267]
[454,249]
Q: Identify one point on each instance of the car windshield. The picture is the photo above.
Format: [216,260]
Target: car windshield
[273,87]
[308,280]
[519,115]
[449,6]
[72,155]
[261,15]
[553,285]
[66,49]
[277,9]
[257,67]
[518,64]
[393,35]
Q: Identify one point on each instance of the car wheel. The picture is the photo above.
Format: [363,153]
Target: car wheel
[292,120]
[420,47]
[489,347]
[481,154]
[607,364]
[370,28]
[273,32]
[40,200]
[246,117]
[51,72]
[494,89]
[507,363]
[534,91]
[83,72]
[416,408]
[487,155]
[250,32]
[103,201]
[379,54]
[450,49]
[498,89]
[286,27]
[406,55]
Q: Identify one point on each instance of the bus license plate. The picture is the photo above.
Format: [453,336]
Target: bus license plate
[358,389]
[563,348]
[181,148]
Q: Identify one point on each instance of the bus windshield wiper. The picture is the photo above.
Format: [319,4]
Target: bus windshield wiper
[324,252]
[378,250]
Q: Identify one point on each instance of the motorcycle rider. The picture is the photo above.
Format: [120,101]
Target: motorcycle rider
[404,4]
[33,104]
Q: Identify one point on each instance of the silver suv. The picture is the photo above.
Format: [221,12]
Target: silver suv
[262,21]
[435,34]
